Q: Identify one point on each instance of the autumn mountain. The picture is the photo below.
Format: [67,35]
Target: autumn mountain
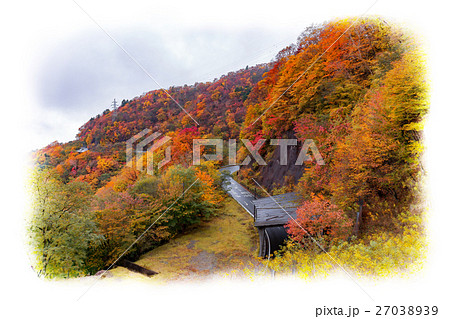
[217,107]
[356,88]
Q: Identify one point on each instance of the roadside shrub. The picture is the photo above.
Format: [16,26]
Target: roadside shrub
[320,219]
[380,254]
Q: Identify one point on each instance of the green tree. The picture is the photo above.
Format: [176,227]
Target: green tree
[180,189]
[122,218]
[62,226]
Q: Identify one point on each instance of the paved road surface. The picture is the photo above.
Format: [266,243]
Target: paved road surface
[238,192]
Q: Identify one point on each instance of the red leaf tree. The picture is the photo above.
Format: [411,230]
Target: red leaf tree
[320,219]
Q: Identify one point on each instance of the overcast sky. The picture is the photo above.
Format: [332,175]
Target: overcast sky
[74,70]
[80,76]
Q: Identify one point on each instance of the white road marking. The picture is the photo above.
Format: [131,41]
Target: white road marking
[237,191]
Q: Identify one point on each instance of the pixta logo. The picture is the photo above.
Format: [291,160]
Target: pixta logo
[135,151]
[151,144]
[253,149]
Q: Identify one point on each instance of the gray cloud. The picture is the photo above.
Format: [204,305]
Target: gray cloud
[81,76]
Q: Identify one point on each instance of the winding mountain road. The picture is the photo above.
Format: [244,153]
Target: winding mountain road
[237,191]
[272,213]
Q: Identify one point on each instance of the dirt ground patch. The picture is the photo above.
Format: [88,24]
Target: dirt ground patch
[226,243]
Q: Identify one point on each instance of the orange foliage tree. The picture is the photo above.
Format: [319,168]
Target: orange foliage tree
[320,219]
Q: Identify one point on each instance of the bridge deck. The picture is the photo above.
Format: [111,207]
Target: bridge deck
[269,217]
[269,212]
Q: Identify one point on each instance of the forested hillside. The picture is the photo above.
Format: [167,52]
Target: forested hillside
[363,102]
[357,90]
[217,110]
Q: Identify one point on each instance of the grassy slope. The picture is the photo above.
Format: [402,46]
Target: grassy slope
[226,242]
